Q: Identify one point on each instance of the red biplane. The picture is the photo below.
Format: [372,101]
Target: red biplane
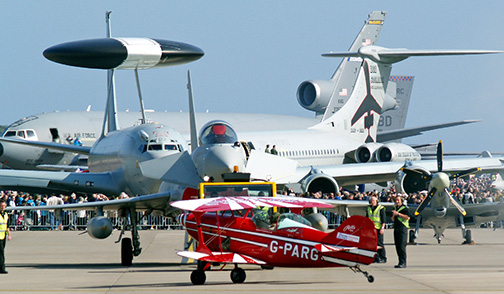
[239,230]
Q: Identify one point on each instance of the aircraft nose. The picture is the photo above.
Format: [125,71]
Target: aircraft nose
[440,212]
[221,159]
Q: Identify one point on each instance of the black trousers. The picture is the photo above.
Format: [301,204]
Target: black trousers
[400,240]
[2,253]
[380,254]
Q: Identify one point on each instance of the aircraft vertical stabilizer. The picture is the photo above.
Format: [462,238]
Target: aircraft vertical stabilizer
[347,71]
[360,116]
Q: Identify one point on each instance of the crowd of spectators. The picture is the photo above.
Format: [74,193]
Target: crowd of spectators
[473,190]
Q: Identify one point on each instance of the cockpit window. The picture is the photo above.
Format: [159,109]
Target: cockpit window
[170,147]
[30,134]
[21,134]
[10,134]
[217,134]
[292,220]
[155,147]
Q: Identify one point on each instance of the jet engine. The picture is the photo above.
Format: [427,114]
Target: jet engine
[99,227]
[412,182]
[315,95]
[396,152]
[366,153]
[317,181]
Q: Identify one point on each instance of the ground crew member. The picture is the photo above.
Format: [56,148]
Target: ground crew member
[376,213]
[4,234]
[400,216]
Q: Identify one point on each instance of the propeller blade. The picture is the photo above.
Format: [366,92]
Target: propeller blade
[440,156]
[425,201]
[466,172]
[424,174]
[456,203]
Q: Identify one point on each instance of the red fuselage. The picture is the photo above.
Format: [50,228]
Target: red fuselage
[288,246]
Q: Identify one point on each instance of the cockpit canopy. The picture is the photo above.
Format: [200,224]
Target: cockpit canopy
[217,132]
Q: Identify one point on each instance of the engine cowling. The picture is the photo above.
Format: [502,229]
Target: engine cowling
[315,95]
[366,153]
[411,182]
[319,182]
[396,152]
[99,227]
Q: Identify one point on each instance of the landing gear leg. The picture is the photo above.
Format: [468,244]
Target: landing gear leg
[130,246]
[466,234]
[357,269]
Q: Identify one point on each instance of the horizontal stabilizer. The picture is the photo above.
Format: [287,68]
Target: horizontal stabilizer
[224,257]
[269,167]
[386,55]
[386,136]
[50,145]
[68,168]
[176,169]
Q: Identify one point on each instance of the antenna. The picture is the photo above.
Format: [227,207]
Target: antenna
[110,121]
[192,115]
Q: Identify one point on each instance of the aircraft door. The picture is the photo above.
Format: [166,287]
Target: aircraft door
[55,135]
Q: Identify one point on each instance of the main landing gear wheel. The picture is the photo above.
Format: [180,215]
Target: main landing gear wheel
[198,277]
[126,252]
[238,275]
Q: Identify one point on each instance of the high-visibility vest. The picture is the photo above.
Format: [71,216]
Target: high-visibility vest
[3,225]
[375,216]
[405,222]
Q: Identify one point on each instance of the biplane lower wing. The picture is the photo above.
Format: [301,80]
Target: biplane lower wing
[224,257]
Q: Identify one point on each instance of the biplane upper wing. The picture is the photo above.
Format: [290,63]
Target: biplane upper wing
[221,257]
[238,203]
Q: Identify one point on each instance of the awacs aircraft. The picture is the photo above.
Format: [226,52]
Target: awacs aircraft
[324,97]
[114,158]
[227,237]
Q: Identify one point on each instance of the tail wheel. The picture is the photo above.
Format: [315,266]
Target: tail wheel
[126,252]
[198,277]
[238,275]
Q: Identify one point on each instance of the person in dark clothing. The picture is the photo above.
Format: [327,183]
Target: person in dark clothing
[376,213]
[400,216]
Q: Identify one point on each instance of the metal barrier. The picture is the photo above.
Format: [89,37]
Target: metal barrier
[77,220]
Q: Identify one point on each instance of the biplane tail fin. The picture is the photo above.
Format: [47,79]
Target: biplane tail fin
[357,232]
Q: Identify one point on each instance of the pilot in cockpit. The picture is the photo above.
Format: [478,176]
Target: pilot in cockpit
[218,134]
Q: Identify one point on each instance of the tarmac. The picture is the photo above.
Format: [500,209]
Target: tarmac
[70,262]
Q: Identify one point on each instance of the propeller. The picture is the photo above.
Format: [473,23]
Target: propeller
[439,181]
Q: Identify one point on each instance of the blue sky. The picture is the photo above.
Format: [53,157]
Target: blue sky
[256,55]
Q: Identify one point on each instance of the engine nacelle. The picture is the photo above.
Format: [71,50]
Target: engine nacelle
[319,182]
[396,152]
[318,221]
[366,153]
[99,227]
[412,182]
[315,94]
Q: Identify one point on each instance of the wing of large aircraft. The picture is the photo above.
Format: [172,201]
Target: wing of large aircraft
[58,182]
[50,145]
[379,172]
[391,135]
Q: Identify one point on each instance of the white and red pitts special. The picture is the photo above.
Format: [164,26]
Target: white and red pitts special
[238,230]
